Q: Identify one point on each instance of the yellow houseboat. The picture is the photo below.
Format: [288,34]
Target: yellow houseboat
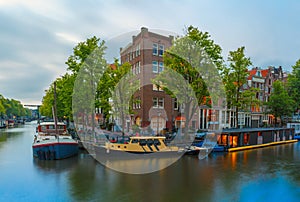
[143,144]
[138,147]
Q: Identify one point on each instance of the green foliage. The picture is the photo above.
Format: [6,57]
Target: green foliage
[85,58]
[116,84]
[64,90]
[234,77]
[280,103]
[11,108]
[81,52]
[293,84]
[191,74]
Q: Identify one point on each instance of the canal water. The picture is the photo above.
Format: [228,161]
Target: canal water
[267,174]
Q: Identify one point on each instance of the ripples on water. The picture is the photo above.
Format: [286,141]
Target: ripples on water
[267,174]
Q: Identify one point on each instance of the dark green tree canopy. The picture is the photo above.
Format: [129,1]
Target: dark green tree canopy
[280,103]
[293,84]
[10,108]
[234,77]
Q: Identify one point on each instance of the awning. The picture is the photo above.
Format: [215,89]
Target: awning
[180,118]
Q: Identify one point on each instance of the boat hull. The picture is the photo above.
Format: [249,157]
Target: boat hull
[135,163]
[109,154]
[54,150]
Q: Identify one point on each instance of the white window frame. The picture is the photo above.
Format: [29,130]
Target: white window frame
[155,49]
[154,66]
[160,67]
[161,49]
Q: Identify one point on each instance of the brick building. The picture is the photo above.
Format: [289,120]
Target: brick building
[151,106]
[263,79]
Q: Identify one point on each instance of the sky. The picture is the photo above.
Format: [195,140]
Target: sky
[38,36]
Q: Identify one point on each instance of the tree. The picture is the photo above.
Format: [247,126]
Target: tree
[293,84]
[64,91]
[191,74]
[82,51]
[85,54]
[280,103]
[116,85]
[234,77]
[2,108]
[12,108]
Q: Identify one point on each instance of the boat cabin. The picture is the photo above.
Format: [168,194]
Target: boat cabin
[48,128]
[142,144]
[230,138]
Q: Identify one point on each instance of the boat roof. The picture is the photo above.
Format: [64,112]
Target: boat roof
[51,123]
[147,137]
[241,130]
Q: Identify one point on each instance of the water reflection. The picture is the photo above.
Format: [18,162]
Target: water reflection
[257,175]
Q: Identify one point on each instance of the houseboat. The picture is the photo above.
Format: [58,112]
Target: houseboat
[250,138]
[51,143]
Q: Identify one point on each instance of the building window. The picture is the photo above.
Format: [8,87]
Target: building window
[139,102]
[161,103]
[161,50]
[155,49]
[156,88]
[158,102]
[138,52]
[154,67]
[138,67]
[175,104]
[161,67]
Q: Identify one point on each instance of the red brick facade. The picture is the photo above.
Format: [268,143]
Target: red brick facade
[144,53]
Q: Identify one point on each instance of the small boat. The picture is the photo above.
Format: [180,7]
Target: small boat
[138,147]
[52,144]
[53,141]
[297,136]
[2,123]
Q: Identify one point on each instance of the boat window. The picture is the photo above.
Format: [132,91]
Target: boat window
[143,142]
[150,142]
[156,142]
[134,141]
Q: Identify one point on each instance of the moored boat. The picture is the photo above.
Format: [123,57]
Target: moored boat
[138,147]
[2,123]
[52,143]
[297,136]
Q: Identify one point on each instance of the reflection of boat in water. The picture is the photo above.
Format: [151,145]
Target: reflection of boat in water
[51,143]
[140,155]
[56,166]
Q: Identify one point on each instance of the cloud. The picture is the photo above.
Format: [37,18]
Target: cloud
[68,37]
[36,37]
